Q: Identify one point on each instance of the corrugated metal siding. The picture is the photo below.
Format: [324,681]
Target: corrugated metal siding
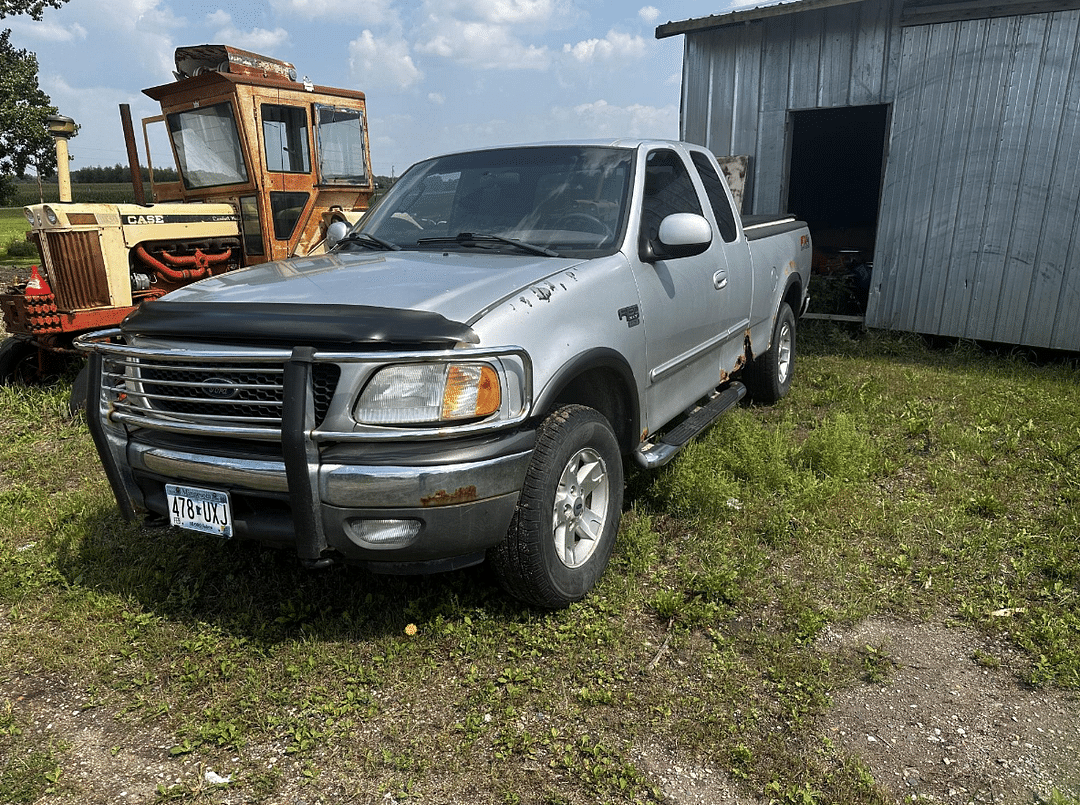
[979,207]
[977,231]
[739,82]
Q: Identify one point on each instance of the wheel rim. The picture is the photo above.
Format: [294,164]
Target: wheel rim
[581,507]
[783,352]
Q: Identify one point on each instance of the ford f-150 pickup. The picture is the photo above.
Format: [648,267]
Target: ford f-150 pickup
[462,376]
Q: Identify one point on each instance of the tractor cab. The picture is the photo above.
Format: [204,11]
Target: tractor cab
[289,156]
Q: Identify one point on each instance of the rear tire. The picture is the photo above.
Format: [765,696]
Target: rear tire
[768,377]
[18,363]
[564,528]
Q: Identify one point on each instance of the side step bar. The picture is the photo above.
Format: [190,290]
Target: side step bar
[657,454]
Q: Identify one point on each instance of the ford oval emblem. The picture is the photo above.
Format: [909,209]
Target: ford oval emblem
[220,388]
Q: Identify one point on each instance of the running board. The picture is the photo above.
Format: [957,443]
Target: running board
[657,454]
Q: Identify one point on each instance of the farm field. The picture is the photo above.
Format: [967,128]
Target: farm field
[866,593]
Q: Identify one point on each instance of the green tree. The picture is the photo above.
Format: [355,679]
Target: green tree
[24,140]
[12,8]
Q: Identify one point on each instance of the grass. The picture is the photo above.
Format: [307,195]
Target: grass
[896,480]
[14,248]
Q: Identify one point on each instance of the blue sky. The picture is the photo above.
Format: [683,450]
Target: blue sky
[439,74]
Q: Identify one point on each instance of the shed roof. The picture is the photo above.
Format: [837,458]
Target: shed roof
[915,12]
[745,15]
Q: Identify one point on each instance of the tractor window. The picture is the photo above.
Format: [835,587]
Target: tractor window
[249,221]
[208,146]
[286,209]
[340,134]
[285,139]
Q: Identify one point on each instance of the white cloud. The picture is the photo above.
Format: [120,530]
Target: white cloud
[45,31]
[259,40]
[219,18]
[484,46]
[649,14]
[140,30]
[382,61]
[542,13]
[368,12]
[437,98]
[602,119]
[612,47]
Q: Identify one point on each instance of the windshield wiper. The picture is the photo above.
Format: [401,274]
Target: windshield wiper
[372,242]
[478,239]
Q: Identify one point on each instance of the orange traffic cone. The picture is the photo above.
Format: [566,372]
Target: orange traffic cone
[37,285]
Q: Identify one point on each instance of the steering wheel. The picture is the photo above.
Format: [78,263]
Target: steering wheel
[593,224]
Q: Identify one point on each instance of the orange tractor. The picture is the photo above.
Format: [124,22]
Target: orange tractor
[266,164]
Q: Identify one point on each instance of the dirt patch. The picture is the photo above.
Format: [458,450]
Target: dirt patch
[940,727]
[943,727]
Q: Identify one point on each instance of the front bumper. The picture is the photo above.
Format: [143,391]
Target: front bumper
[314,494]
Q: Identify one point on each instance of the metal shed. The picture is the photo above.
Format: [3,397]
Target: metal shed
[939,139]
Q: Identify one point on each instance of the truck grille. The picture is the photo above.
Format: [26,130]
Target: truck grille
[246,394]
[76,270]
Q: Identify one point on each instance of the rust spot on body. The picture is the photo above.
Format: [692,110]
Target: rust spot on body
[464,494]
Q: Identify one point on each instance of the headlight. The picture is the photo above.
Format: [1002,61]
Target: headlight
[29,213]
[429,393]
[51,215]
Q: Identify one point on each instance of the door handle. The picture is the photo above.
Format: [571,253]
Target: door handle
[719,280]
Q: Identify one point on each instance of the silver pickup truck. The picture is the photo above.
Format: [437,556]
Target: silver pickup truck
[462,375]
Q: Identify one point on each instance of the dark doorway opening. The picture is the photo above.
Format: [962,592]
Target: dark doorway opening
[834,184]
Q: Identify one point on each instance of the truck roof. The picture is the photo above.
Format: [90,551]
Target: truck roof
[616,142]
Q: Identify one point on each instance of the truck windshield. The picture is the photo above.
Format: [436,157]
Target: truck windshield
[208,146]
[571,200]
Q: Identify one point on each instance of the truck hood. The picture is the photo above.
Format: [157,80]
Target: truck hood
[457,285]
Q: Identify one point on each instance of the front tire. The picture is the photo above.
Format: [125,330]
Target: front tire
[768,377]
[564,528]
[80,388]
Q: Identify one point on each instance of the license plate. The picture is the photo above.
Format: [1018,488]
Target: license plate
[205,510]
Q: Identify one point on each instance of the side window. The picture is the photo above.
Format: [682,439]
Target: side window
[714,189]
[668,189]
[285,139]
[285,208]
[340,135]
[249,222]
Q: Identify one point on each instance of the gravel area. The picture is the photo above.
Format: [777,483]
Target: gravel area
[944,727]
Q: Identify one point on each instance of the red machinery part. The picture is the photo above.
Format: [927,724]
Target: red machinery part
[203,263]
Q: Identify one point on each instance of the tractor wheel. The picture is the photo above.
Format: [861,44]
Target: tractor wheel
[19,362]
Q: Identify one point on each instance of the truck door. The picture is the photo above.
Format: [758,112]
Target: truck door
[681,298]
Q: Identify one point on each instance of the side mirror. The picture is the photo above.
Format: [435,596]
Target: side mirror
[335,232]
[682,234]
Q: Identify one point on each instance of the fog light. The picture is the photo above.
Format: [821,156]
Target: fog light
[382,533]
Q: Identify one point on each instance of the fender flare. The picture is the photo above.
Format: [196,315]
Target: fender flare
[603,359]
